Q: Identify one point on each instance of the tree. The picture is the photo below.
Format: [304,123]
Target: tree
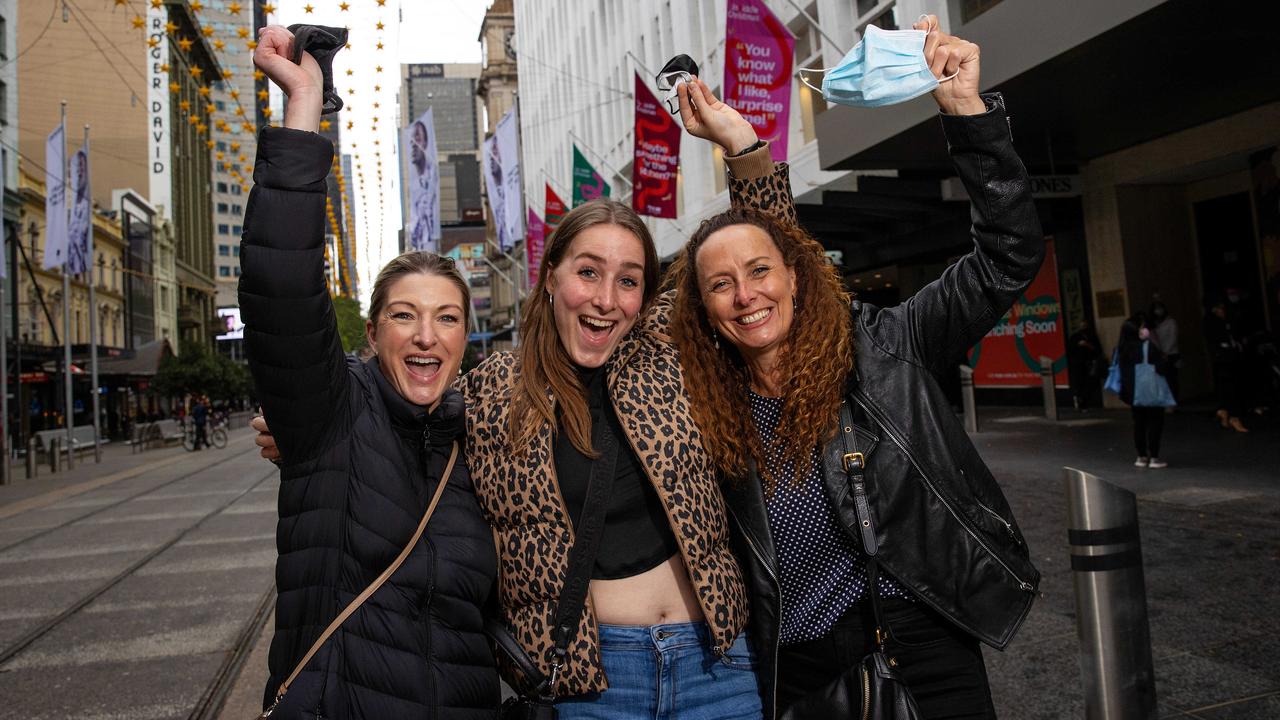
[201,372]
[350,323]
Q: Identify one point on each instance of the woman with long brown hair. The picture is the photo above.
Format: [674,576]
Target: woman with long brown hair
[868,517]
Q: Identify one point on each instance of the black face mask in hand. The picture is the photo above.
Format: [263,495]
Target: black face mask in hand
[678,69]
[323,43]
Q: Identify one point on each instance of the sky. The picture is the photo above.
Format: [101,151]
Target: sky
[414,31]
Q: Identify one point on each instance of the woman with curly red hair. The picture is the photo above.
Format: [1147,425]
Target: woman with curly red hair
[845,462]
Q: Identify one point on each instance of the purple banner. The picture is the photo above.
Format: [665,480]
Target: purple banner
[759,51]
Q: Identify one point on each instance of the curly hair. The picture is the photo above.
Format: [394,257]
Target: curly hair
[813,364]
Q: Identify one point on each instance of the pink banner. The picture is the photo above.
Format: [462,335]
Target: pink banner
[533,246]
[757,71]
[657,156]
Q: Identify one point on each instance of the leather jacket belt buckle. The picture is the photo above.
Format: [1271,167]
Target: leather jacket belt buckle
[853,461]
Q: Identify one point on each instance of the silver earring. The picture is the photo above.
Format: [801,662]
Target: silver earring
[715,338]
[551,300]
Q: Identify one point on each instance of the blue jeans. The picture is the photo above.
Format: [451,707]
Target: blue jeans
[669,672]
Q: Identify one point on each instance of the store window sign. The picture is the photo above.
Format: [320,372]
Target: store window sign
[1050,186]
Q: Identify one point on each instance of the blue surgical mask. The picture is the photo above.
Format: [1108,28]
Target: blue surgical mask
[887,67]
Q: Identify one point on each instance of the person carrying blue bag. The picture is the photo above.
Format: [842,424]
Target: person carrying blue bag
[1144,388]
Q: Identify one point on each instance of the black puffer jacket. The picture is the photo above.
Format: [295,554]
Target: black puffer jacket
[361,464]
[942,526]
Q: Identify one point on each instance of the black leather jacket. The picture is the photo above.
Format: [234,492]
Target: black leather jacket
[941,523]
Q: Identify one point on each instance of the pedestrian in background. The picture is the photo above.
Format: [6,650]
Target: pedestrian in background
[1164,333]
[1225,354]
[200,417]
[1085,364]
[1136,348]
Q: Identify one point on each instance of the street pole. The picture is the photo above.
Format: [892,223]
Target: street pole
[66,304]
[93,321]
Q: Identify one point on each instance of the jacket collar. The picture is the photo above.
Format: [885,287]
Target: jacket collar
[439,427]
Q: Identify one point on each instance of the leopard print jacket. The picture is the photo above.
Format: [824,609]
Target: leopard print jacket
[521,497]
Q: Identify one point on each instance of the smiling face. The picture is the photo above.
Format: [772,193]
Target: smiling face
[748,292]
[597,291]
[420,336]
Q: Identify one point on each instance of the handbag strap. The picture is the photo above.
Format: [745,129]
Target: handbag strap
[582,556]
[854,464]
[378,582]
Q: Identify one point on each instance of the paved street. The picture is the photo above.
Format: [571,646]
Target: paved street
[143,596]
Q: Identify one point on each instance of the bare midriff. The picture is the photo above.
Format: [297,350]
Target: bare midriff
[654,597]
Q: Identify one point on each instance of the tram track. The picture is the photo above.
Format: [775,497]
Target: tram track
[46,531]
[16,647]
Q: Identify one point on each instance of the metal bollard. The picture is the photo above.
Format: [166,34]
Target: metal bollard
[967,397]
[1050,392]
[33,463]
[71,454]
[1111,599]
[55,453]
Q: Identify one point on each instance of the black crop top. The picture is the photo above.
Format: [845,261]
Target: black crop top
[637,535]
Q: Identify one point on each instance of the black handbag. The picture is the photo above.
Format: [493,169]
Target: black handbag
[871,689]
[537,694]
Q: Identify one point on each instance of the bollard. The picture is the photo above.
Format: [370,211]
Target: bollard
[1050,392]
[55,448]
[71,454]
[966,396]
[33,463]
[1111,599]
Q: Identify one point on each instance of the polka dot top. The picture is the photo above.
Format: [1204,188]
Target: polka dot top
[821,570]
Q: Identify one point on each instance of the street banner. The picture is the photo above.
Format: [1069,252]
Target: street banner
[55,200]
[159,118]
[587,183]
[509,148]
[533,246]
[757,71]
[553,213]
[497,190]
[1009,355]
[424,183]
[657,156]
[81,214]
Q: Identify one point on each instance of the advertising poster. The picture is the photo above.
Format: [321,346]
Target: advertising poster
[587,183]
[759,51]
[533,246]
[1009,355]
[424,184]
[657,156]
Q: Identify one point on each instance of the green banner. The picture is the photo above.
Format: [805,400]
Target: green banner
[587,183]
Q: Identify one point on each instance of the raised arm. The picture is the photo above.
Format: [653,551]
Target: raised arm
[945,318]
[291,333]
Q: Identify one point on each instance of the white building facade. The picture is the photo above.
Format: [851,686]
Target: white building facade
[580,91]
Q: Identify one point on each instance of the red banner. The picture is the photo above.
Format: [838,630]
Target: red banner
[759,51]
[554,211]
[1009,355]
[533,246]
[657,156]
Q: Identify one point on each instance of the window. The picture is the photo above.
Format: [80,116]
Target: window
[235,250]
[222,146]
[222,207]
[808,55]
[4,103]
[237,209]
[4,42]
[237,230]
[222,187]
[222,107]
[224,250]
[235,189]
[222,229]
[237,271]
[224,271]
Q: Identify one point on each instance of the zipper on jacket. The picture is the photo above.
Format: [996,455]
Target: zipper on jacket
[866,691]
[893,435]
[777,584]
[1007,525]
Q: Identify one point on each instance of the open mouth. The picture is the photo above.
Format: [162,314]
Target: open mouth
[755,317]
[595,329]
[422,368]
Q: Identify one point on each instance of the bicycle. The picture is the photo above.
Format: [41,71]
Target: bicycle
[215,436]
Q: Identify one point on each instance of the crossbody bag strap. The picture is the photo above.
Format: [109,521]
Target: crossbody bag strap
[855,466]
[582,556]
[378,582]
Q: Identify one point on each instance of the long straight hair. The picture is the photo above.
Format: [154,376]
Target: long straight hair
[544,363]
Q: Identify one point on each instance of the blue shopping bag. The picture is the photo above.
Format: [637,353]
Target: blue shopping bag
[1112,384]
[1150,389]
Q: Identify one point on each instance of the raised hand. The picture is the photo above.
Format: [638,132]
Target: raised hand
[302,83]
[949,55]
[265,439]
[709,118]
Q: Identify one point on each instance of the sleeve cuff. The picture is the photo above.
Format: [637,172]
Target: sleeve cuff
[992,126]
[756,164]
[291,159]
